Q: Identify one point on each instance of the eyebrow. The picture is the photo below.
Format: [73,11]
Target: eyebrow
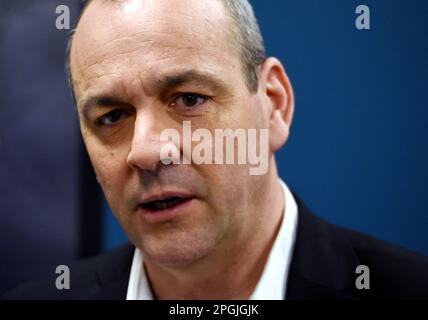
[102,101]
[192,76]
[167,83]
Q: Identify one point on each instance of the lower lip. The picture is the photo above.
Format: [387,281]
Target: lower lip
[164,215]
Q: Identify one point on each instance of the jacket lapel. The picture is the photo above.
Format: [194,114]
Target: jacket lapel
[323,263]
[113,277]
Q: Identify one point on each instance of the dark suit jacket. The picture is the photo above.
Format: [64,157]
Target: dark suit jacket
[323,266]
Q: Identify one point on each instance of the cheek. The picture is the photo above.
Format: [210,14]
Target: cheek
[249,114]
[226,186]
[258,114]
[111,170]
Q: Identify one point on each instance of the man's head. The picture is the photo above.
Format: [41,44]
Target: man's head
[139,67]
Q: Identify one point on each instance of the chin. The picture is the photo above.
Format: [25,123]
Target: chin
[179,249]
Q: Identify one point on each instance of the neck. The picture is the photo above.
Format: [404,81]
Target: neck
[233,270]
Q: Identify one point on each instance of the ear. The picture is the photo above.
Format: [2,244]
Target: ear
[277,92]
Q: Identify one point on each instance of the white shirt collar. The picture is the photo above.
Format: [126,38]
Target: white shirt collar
[273,282]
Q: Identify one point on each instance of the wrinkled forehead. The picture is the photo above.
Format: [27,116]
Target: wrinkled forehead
[150,36]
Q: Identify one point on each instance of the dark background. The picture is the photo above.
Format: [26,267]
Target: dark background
[357,153]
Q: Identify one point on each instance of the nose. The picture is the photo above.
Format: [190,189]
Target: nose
[146,147]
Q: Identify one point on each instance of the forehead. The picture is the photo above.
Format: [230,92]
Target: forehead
[148,38]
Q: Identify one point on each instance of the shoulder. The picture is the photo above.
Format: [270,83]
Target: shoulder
[328,256]
[394,271]
[86,278]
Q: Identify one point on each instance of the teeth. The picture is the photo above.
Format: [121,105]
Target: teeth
[160,205]
[164,204]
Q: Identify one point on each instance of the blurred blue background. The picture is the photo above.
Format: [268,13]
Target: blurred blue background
[357,155]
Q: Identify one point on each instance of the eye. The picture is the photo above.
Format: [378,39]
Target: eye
[189,101]
[112,117]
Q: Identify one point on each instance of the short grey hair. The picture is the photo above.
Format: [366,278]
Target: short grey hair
[248,38]
[246,34]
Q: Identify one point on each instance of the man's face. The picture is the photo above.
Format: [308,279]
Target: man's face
[140,67]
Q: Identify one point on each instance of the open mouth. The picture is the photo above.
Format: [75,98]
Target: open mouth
[163,204]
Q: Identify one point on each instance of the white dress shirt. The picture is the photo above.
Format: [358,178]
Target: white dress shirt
[273,281]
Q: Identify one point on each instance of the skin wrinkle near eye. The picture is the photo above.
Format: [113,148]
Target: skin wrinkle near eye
[123,114]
